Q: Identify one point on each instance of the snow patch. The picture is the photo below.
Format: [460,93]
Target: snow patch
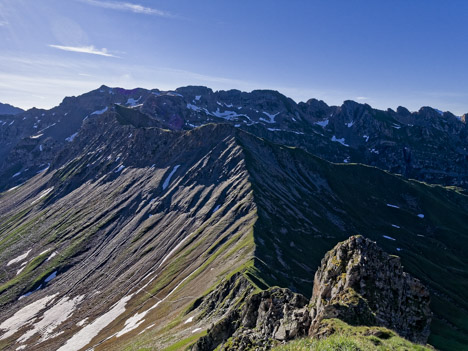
[71,137]
[420,215]
[148,327]
[173,250]
[132,102]
[194,108]
[85,335]
[195,330]
[19,258]
[216,208]
[393,206]
[23,266]
[395,226]
[350,124]
[42,195]
[132,323]
[323,123]
[189,320]
[119,169]
[52,256]
[43,169]
[198,97]
[168,179]
[388,237]
[52,318]
[43,252]
[270,116]
[228,115]
[341,141]
[366,137]
[24,317]
[100,112]
[82,322]
[173,93]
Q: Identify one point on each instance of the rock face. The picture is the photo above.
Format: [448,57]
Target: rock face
[274,314]
[362,285]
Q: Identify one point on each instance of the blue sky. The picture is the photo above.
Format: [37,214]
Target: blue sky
[384,53]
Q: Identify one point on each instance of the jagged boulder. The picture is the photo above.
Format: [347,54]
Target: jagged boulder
[362,285]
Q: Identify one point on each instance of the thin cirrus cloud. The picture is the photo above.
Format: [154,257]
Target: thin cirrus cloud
[127,6]
[84,49]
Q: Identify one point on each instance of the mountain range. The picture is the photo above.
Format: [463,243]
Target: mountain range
[136,219]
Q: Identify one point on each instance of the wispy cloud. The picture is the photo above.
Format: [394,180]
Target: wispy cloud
[84,49]
[128,6]
[3,23]
[362,98]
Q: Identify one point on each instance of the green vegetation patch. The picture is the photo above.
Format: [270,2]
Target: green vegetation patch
[348,338]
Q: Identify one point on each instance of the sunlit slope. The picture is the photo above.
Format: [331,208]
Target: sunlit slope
[124,236]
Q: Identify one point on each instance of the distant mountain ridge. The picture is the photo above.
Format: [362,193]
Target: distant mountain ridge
[424,145]
[7,109]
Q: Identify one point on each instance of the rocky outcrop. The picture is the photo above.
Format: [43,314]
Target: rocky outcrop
[265,317]
[357,283]
[362,285]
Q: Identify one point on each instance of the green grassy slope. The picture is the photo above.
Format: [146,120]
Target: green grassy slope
[347,338]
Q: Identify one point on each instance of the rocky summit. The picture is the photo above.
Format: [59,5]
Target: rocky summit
[165,220]
[362,285]
[357,283]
